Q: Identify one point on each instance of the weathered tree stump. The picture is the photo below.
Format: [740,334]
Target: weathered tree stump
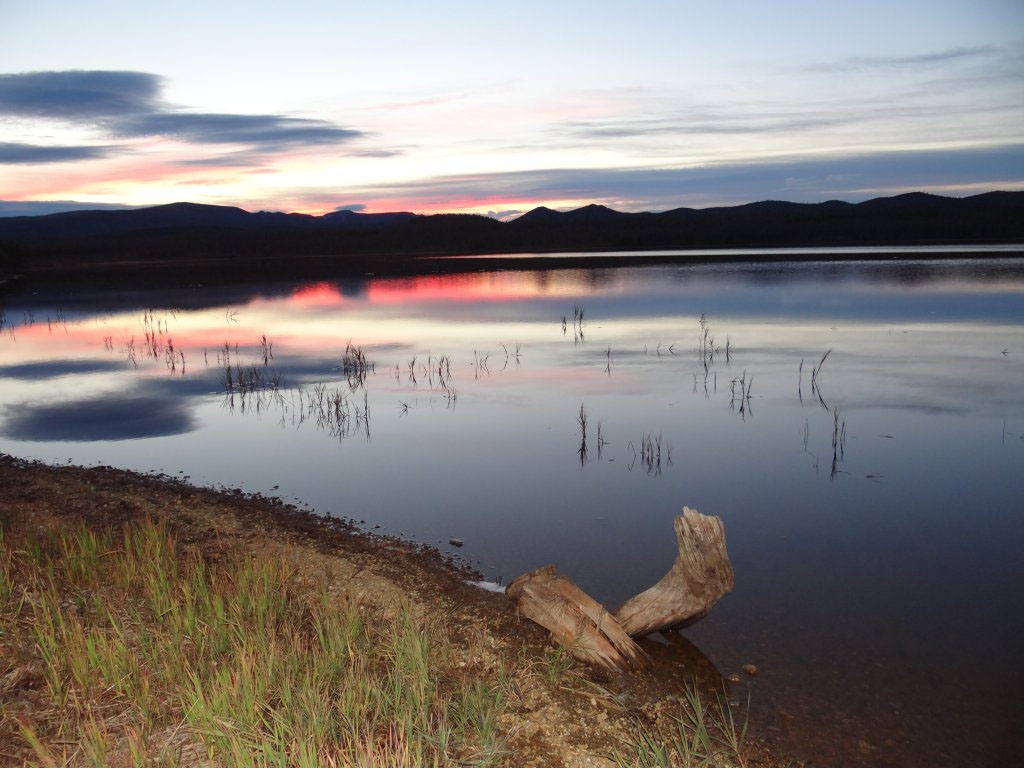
[574,619]
[699,577]
[697,580]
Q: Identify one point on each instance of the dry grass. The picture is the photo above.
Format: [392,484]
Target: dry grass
[696,734]
[130,650]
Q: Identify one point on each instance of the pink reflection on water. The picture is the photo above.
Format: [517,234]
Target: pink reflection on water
[321,294]
[490,287]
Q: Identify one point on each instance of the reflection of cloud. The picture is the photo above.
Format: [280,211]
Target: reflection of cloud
[13,153]
[54,368]
[100,418]
[930,409]
[208,382]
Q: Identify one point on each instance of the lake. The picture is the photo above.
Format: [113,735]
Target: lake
[858,426]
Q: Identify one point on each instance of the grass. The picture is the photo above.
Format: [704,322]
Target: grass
[558,660]
[697,734]
[133,650]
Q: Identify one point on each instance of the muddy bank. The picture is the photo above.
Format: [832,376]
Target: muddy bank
[577,718]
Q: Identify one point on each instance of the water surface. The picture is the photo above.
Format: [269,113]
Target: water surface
[873,515]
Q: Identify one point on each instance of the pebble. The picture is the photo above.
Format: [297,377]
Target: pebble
[751,670]
[456,542]
[734,678]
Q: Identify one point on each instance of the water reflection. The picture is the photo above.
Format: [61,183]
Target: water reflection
[858,427]
[48,369]
[110,417]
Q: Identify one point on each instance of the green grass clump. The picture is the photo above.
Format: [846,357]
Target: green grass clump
[699,735]
[556,663]
[143,652]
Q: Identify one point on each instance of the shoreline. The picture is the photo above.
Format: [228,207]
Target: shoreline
[579,720]
[235,269]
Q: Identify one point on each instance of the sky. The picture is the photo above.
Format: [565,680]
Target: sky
[499,108]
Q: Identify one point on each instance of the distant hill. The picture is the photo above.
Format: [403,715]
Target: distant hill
[181,231]
[74,224]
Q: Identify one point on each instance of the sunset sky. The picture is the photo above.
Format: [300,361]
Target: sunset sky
[493,108]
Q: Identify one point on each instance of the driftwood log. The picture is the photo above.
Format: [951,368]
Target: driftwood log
[574,619]
[700,576]
[697,580]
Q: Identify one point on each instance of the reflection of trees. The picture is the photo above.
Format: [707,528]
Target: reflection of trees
[12,262]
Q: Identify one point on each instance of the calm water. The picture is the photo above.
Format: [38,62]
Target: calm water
[874,518]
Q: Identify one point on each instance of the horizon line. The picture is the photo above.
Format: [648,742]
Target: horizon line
[75,206]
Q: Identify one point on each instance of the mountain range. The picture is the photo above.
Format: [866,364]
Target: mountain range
[179,230]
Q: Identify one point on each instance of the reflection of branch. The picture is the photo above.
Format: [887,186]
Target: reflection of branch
[514,355]
[740,392]
[355,366]
[817,391]
[581,419]
[838,442]
[650,454]
[815,370]
[480,364]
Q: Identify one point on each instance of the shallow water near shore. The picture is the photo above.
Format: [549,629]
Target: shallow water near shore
[872,502]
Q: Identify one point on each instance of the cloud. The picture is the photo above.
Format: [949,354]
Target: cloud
[78,94]
[697,123]
[354,207]
[902,62]
[959,96]
[775,119]
[227,160]
[127,104]
[376,153]
[99,418]
[266,132]
[14,153]
[799,179]
[505,215]
[42,207]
